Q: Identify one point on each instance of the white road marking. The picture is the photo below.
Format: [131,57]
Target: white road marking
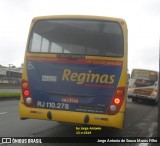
[151,130]
[3,113]
[143,144]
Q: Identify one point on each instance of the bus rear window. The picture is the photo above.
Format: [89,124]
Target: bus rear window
[88,37]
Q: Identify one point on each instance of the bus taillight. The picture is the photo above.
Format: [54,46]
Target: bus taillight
[26,93]
[117,101]
[25,85]
[154,92]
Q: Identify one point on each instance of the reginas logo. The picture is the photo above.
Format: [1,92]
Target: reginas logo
[90,77]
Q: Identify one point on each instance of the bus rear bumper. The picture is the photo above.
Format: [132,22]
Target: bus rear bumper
[115,121]
[142,97]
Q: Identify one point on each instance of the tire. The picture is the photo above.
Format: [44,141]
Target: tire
[155,102]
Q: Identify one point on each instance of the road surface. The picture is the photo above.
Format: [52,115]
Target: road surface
[140,121]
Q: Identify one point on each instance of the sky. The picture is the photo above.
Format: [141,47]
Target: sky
[142,18]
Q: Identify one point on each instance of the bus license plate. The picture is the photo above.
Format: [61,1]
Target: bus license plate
[52,105]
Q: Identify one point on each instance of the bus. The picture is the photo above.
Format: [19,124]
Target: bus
[75,70]
[143,85]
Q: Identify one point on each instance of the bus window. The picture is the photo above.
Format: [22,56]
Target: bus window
[36,44]
[45,45]
[56,48]
[106,38]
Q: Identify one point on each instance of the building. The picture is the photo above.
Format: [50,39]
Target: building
[10,75]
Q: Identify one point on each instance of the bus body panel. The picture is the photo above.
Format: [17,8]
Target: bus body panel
[77,83]
[115,121]
[91,81]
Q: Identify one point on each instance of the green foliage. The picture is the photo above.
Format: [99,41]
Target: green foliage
[9,94]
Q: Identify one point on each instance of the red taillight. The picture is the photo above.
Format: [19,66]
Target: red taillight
[155,91]
[26,93]
[117,101]
[25,88]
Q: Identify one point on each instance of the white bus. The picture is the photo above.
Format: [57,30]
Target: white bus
[143,85]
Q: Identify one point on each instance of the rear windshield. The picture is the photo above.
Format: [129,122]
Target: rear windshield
[143,83]
[87,37]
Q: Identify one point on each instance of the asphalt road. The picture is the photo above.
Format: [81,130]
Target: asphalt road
[140,121]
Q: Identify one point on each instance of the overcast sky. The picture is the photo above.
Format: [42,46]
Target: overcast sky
[142,17]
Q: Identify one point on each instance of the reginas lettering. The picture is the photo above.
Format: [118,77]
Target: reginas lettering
[90,77]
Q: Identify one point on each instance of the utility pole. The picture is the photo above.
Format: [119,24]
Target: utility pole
[9,75]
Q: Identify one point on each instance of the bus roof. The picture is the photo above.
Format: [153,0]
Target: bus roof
[91,17]
[144,69]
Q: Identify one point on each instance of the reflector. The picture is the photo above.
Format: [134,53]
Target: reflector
[28,100]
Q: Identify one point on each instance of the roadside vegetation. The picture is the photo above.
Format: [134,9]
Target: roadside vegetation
[6,95]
